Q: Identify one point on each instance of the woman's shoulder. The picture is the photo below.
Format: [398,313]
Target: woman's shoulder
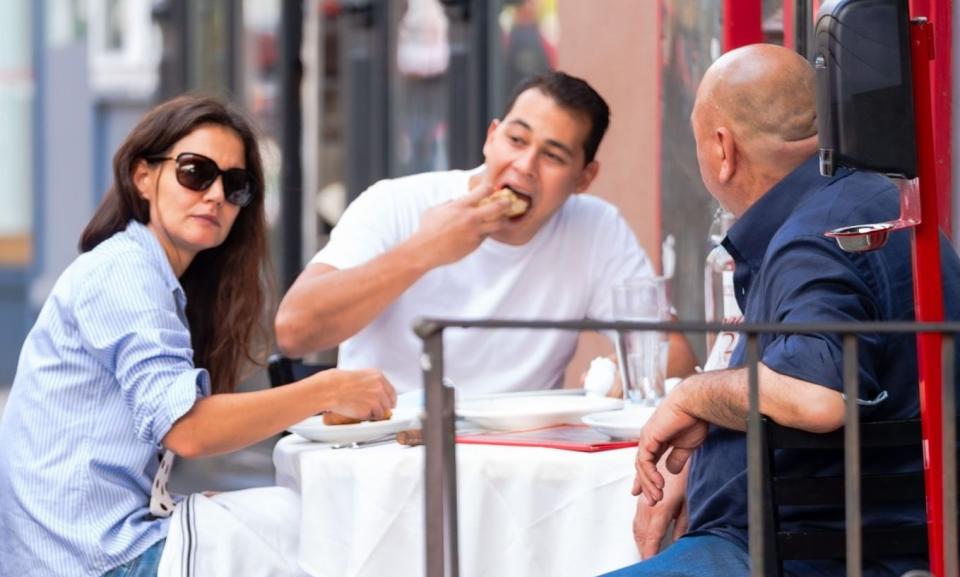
[119,262]
[113,255]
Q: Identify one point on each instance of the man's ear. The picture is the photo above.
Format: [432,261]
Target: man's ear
[727,150]
[142,177]
[587,175]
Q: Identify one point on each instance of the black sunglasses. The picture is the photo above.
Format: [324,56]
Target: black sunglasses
[197,172]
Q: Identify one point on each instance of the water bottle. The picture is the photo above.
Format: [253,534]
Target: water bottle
[720,302]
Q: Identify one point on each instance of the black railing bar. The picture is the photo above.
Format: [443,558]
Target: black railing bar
[428,326]
[451,506]
[440,500]
[755,517]
[950,546]
[851,455]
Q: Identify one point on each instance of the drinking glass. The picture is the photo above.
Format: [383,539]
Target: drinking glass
[642,355]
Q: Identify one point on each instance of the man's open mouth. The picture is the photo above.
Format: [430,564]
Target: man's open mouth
[522,199]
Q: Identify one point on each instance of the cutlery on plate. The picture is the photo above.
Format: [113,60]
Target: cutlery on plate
[366,443]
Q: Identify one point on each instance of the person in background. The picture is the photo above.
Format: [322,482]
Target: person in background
[754,121]
[433,244]
[138,349]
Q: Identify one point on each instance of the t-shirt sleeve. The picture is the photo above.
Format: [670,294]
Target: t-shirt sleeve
[830,289]
[367,229]
[128,320]
[616,256]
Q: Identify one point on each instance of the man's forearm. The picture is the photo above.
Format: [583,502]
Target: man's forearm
[326,306]
[720,397]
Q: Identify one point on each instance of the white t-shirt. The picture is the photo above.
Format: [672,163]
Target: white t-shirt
[564,273]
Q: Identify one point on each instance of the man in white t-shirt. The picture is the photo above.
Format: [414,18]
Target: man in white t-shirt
[425,245]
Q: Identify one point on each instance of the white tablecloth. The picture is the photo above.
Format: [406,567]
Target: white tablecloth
[522,510]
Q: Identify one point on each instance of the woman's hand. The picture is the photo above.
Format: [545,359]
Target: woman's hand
[362,394]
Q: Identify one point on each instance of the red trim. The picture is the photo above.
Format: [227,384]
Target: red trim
[942,18]
[928,291]
[940,15]
[919,8]
[742,23]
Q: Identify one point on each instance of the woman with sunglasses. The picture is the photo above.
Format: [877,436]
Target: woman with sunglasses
[139,346]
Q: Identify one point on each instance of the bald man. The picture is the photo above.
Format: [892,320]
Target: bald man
[754,122]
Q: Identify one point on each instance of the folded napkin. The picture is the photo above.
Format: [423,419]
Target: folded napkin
[253,533]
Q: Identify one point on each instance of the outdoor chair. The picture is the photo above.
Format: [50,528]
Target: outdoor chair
[284,370]
[820,493]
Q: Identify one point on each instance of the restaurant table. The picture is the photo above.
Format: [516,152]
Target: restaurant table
[522,510]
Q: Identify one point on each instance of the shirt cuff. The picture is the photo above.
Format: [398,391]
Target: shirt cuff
[181,396]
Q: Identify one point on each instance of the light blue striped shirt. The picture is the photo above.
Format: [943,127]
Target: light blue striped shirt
[103,375]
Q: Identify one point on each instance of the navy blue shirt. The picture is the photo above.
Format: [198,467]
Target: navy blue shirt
[787,271]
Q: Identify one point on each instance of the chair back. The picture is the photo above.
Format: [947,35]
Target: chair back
[828,492]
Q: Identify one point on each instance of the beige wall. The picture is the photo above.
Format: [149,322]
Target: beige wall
[613,45]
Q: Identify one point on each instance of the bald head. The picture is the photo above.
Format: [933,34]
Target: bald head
[763,89]
[758,102]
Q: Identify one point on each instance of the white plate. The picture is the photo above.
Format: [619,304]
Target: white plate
[313,428]
[519,412]
[415,398]
[623,424]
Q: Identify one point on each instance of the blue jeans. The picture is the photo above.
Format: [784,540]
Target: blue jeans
[145,565]
[693,556]
[705,555]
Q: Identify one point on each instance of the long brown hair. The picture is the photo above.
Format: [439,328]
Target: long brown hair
[227,286]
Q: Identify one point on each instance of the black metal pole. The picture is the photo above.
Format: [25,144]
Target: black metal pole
[291,174]
[755,510]
[802,19]
[950,545]
[440,468]
[851,455]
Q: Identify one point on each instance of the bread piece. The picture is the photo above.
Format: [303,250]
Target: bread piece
[518,205]
[330,418]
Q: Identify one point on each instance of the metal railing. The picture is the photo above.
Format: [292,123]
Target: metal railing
[438,431]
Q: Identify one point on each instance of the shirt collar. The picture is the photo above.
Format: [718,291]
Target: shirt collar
[748,238]
[145,239]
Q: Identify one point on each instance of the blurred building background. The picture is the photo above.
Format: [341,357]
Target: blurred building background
[347,92]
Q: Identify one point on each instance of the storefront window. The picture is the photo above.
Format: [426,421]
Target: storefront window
[773,21]
[691,42]
[16,112]
[261,21]
[124,46]
[529,35]
[420,85]
[211,62]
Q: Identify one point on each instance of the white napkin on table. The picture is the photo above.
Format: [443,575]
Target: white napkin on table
[600,377]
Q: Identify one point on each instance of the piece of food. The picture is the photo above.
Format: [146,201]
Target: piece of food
[410,437]
[330,418]
[518,204]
